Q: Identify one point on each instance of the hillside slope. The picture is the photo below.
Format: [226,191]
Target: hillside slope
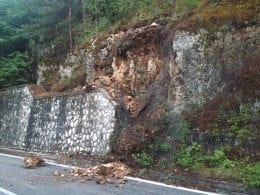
[189,86]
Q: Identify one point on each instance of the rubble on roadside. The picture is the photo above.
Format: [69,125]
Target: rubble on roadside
[110,173]
[32,162]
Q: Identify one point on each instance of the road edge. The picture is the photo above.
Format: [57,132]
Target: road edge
[53,163]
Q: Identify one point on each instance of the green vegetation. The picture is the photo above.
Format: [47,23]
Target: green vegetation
[251,175]
[161,147]
[196,158]
[144,159]
[14,69]
[221,153]
[234,124]
[36,30]
[50,29]
[190,157]
[26,29]
[238,125]
[219,159]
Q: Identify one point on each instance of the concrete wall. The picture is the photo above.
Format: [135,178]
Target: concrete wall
[70,122]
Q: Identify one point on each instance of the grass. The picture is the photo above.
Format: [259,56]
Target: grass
[142,15]
[244,172]
[241,171]
[185,5]
[216,15]
[186,14]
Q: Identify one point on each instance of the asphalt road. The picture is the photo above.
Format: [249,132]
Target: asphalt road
[14,179]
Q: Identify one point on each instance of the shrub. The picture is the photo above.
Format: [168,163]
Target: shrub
[191,156]
[163,162]
[164,147]
[220,160]
[238,124]
[161,146]
[251,175]
[14,70]
[144,159]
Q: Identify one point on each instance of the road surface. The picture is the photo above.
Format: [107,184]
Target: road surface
[14,179]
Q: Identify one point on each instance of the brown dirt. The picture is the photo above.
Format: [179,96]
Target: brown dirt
[33,162]
[37,90]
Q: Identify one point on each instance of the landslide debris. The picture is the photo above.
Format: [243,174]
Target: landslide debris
[33,162]
[110,173]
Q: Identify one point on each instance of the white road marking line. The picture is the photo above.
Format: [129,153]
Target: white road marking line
[28,152]
[11,156]
[129,178]
[169,186]
[46,160]
[59,165]
[6,191]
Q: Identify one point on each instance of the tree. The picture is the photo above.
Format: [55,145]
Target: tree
[36,28]
[13,70]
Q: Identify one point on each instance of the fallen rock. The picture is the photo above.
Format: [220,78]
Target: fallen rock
[33,162]
[101,180]
[121,181]
[102,174]
[105,170]
[56,173]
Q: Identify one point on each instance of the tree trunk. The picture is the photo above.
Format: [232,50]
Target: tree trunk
[96,16]
[84,15]
[70,27]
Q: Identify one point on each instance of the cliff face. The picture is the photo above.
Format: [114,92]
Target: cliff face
[152,70]
[201,60]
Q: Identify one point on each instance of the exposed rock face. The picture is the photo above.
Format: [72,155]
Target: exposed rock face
[131,61]
[146,74]
[199,62]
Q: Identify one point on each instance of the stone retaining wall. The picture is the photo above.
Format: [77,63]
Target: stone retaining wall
[70,122]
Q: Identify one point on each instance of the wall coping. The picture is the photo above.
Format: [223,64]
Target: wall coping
[13,87]
[54,95]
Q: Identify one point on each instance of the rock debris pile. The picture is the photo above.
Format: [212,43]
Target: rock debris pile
[110,173]
[33,161]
